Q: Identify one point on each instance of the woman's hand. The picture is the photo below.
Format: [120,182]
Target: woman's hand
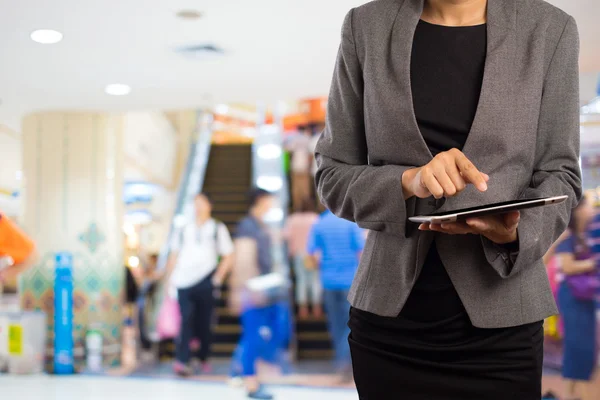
[570,266]
[588,266]
[445,176]
[500,229]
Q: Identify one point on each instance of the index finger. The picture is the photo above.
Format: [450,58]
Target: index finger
[470,173]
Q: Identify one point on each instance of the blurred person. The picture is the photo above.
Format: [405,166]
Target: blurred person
[552,325]
[259,318]
[313,146]
[579,284]
[149,284]
[132,289]
[300,148]
[427,96]
[296,232]
[17,252]
[336,245]
[196,272]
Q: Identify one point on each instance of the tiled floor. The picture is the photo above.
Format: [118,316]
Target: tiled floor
[103,388]
[554,383]
[168,388]
[303,374]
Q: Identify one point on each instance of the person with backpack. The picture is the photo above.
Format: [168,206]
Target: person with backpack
[254,295]
[196,271]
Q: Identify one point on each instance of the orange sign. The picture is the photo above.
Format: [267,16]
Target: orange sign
[315,109]
[14,243]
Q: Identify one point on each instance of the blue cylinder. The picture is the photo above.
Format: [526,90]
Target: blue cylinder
[63,315]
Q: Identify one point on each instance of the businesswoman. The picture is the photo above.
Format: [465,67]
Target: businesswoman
[438,105]
[578,278]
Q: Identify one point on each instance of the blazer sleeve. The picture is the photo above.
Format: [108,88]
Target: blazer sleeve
[352,189]
[556,168]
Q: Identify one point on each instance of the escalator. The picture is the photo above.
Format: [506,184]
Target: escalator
[226,173]
[312,339]
[228,180]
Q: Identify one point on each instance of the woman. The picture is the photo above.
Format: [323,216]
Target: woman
[579,281]
[438,105]
[296,233]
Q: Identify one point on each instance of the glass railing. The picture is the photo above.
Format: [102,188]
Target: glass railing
[191,180]
[190,184]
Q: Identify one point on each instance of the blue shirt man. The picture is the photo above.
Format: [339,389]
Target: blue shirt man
[338,242]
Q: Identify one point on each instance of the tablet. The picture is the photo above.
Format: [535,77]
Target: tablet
[490,209]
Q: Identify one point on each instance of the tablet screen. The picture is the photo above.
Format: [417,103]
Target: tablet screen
[504,203]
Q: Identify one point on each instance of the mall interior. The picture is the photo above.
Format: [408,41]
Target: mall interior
[114,116]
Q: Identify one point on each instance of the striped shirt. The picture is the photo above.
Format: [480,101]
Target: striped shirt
[594,236]
[339,243]
[570,246]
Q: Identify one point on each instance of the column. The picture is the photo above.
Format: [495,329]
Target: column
[73,184]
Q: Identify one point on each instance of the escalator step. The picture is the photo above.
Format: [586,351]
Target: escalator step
[228,181]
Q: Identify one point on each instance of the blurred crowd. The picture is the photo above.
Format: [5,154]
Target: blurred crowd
[324,252]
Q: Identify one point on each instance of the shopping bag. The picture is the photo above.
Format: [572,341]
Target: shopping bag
[169,318]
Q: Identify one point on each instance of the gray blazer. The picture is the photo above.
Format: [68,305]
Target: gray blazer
[525,136]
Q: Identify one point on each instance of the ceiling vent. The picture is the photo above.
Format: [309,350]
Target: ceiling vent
[201,51]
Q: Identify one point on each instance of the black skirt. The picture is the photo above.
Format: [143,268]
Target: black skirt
[450,359]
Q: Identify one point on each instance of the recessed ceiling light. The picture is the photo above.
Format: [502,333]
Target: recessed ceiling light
[117,89]
[189,14]
[46,36]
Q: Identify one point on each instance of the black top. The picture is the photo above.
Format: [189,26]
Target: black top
[447,67]
[446,74]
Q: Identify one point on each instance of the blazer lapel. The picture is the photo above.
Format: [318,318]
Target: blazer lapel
[497,87]
[493,119]
[398,62]
[496,98]
[484,144]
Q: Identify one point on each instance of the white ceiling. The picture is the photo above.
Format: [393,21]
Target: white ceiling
[276,50]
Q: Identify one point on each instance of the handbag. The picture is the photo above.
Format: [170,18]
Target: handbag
[168,324]
[584,286]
